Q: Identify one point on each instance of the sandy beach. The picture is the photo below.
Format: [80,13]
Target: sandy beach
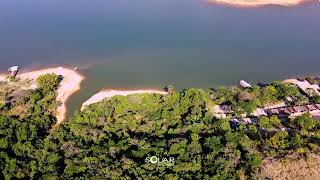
[257,3]
[68,86]
[3,77]
[100,96]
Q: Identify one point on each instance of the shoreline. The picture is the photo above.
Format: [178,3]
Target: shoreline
[68,86]
[104,94]
[258,3]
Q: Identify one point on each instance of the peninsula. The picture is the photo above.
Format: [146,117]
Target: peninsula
[69,84]
[258,3]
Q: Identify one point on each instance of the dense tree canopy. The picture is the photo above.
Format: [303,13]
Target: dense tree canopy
[118,137]
[24,126]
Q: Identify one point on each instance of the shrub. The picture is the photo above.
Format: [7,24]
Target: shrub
[12,79]
[48,82]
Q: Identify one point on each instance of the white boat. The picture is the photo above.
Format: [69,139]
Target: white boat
[13,68]
[244,84]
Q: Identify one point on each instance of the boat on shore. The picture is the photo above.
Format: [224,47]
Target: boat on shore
[14,70]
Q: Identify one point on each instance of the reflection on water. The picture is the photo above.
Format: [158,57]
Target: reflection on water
[125,44]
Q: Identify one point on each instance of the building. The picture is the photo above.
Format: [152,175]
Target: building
[294,111]
[222,111]
[14,71]
[305,86]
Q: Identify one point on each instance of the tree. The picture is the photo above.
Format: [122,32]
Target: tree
[296,141]
[254,160]
[285,90]
[278,141]
[48,82]
[214,144]
[265,122]
[315,99]
[317,134]
[275,121]
[304,122]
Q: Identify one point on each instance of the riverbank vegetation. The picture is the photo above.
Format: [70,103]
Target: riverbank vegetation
[25,119]
[113,138]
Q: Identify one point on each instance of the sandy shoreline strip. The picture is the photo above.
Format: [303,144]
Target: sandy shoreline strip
[68,86]
[3,77]
[258,3]
[100,96]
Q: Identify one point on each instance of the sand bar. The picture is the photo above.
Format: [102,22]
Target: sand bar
[68,86]
[257,3]
[100,96]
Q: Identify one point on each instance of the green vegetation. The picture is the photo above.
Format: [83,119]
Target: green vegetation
[25,120]
[12,79]
[113,138]
[269,123]
[48,82]
[245,101]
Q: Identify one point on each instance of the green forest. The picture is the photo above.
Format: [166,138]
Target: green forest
[115,138]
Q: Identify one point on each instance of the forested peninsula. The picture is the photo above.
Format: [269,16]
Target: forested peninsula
[115,138]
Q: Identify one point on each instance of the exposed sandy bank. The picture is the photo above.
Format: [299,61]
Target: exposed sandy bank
[110,93]
[257,3]
[69,85]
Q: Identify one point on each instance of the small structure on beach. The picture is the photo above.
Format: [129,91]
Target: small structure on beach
[14,70]
[244,84]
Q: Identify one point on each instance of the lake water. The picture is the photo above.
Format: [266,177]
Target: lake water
[152,43]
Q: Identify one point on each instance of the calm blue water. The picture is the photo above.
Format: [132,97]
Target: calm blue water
[151,43]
